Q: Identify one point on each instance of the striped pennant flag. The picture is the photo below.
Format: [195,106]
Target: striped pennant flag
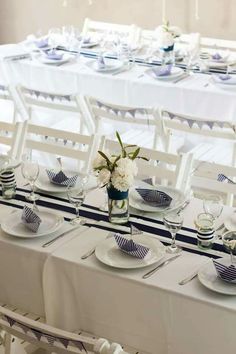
[130,247]
[227,273]
[222,178]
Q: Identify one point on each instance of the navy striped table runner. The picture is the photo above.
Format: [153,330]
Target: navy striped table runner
[187,236]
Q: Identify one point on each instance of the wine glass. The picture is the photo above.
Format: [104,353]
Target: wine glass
[30,171]
[213,204]
[173,221]
[229,242]
[76,195]
[54,38]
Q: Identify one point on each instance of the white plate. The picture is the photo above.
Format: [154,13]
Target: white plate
[43,183]
[90,44]
[230,222]
[136,201]
[66,57]
[13,226]
[208,277]
[175,72]
[111,65]
[108,253]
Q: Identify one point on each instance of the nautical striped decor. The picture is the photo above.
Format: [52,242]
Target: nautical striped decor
[30,219]
[154,198]
[130,247]
[222,178]
[61,179]
[227,273]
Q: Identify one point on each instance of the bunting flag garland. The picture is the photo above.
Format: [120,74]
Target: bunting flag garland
[199,123]
[45,95]
[122,112]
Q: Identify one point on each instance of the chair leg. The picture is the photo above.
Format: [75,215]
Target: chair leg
[7,343]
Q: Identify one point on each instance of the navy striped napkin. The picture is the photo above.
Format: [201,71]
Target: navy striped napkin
[154,198]
[30,219]
[222,178]
[130,247]
[227,273]
[61,179]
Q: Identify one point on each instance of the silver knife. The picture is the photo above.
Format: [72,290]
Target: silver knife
[61,235]
[184,76]
[189,278]
[164,263]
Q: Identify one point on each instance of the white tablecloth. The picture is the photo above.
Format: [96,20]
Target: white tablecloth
[189,96]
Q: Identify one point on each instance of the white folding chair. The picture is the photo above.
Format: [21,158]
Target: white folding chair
[164,168]
[131,33]
[210,131]
[50,142]
[31,329]
[52,107]
[137,125]
[214,178]
[12,107]
[12,139]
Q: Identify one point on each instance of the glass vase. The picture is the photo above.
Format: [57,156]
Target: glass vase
[118,206]
[168,56]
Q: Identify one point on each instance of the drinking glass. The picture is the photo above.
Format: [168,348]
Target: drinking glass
[54,38]
[30,171]
[76,196]
[229,242]
[213,204]
[173,222]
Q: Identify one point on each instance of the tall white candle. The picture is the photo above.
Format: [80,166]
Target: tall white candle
[163,10]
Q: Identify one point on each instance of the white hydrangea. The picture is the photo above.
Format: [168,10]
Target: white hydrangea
[122,182]
[125,166]
[104,176]
[99,161]
[165,39]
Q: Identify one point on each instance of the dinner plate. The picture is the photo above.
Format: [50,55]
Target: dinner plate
[208,277]
[13,225]
[230,222]
[43,183]
[175,72]
[111,65]
[136,201]
[89,44]
[109,253]
[66,58]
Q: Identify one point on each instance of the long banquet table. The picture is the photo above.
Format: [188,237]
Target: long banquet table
[191,96]
[155,315]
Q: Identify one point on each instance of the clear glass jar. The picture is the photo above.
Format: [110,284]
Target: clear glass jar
[205,230]
[118,205]
[8,184]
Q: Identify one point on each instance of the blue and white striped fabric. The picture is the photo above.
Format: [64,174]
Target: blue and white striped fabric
[222,178]
[130,247]
[30,219]
[227,273]
[154,198]
[61,179]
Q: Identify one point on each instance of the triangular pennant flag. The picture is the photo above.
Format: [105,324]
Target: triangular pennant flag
[50,339]
[200,124]
[210,124]
[221,124]
[134,230]
[37,94]
[115,110]
[99,104]
[79,345]
[25,328]
[64,341]
[67,98]
[37,334]
[132,112]
[65,141]
[190,122]
[10,320]
[52,97]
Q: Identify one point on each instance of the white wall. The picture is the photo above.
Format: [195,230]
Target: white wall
[21,17]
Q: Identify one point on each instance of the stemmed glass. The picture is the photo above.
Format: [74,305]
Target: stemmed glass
[76,195]
[173,221]
[213,204]
[54,38]
[229,242]
[30,171]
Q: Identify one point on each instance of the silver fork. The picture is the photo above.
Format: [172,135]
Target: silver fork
[92,250]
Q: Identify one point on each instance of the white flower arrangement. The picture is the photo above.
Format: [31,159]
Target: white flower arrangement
[166,35]
[117,170]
